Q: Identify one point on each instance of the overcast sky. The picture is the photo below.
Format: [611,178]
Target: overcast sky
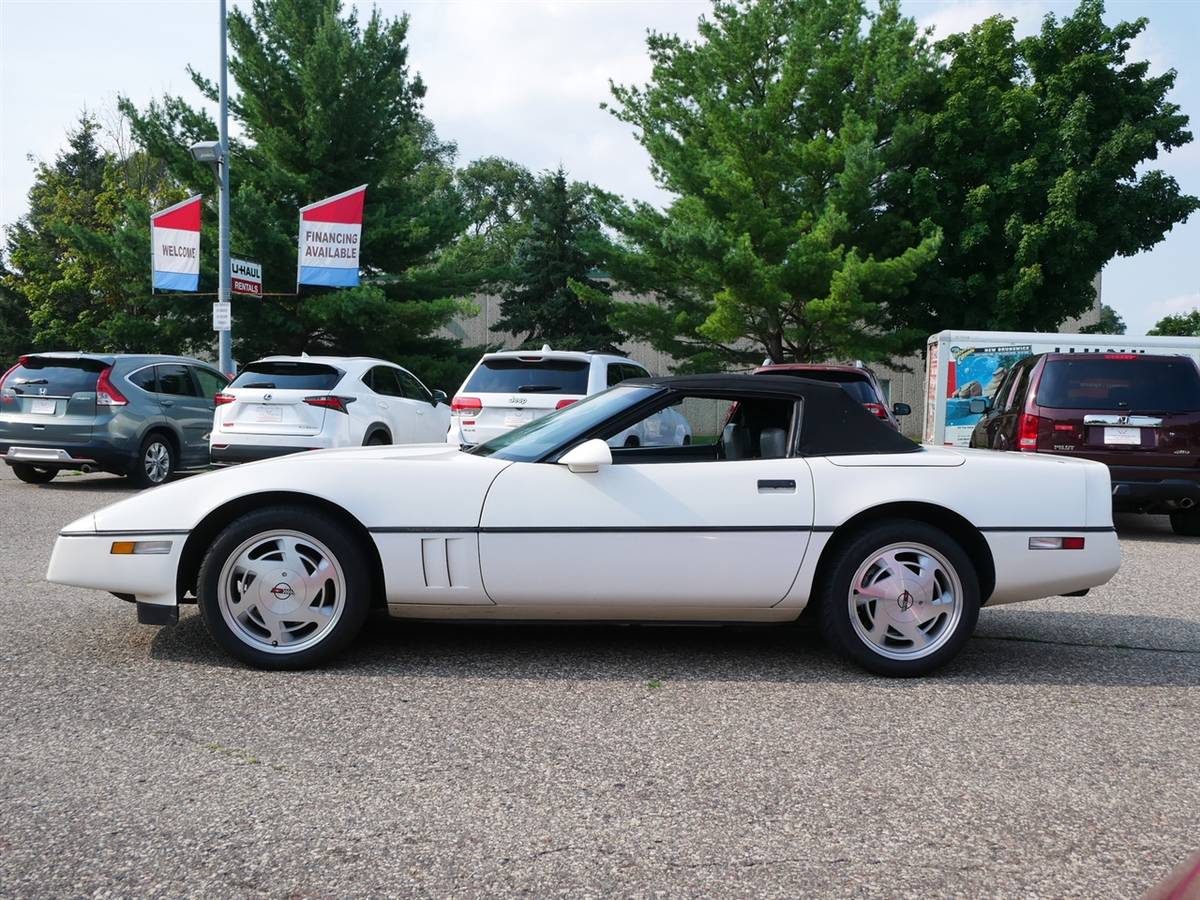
[517,79]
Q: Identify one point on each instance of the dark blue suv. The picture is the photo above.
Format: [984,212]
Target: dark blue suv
[136,415]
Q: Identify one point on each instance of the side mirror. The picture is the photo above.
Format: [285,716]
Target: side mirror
[439,397]
[980,405]
[901,409]
[587,457]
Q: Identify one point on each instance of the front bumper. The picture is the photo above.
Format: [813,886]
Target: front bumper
[85,559]
[1153,489]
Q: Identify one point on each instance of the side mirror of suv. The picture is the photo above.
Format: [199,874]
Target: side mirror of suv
[980,405]
[901,409]
[439,397]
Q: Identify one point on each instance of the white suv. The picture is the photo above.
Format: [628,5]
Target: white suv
[512,388]
[283,404]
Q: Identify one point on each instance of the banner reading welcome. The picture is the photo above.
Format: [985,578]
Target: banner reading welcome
[175,237]
[330,240]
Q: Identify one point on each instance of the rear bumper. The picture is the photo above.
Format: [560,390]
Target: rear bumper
[1025,574]
[241,453]
[1150,489]
[89,456]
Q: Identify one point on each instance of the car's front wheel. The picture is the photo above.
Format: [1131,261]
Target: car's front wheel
[32,474]
[1186,522]
[284,588]
[902,598]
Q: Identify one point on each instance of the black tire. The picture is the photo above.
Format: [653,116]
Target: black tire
[156,452]
[1186,522]
[32,474]
[337,539]
[838,627]
[377,439]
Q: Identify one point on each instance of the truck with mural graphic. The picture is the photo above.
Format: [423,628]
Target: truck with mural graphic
[961,365]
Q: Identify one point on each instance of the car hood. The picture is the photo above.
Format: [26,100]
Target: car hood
[427,485]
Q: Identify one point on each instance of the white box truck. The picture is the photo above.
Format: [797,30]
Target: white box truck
[960,365]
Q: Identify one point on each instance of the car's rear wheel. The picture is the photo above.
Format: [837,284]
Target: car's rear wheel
[155,463]
[902,598]
[32,474]
[378,439]
[1186,522]
[284,588]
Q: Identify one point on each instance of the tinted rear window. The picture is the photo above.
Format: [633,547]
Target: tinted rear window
[1136,385]
[54,377]
[853,384]
[512,376]
[288,376]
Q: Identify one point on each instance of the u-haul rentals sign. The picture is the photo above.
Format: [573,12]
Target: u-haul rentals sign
[246,277]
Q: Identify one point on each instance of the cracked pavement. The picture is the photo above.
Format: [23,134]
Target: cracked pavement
[1059,756]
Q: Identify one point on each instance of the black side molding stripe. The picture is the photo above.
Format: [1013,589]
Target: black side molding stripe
[1041,529]
[126,533]
[598,529]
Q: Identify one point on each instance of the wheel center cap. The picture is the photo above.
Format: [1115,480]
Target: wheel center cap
[281,594]
[905,601]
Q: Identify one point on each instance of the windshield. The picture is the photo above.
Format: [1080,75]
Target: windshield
[533,441]
[287,376]
[506,375]
[1124,385]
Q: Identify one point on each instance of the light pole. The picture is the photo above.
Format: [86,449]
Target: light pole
[217,153]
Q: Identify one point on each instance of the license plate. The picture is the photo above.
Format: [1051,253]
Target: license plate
[268,414]
[43,407]
[1124,437]
[518,417]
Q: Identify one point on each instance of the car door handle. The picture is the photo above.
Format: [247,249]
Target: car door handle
[768,485]
[382,405]
[167,402]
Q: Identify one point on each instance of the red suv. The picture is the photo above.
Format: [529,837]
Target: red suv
[1138,414]
[858,381]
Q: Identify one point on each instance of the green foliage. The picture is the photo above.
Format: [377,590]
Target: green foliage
[327,103]
[1030,168]
[1110,322]
[15,328]
[552,295]
[777,133]
[80,258]
[1182,325]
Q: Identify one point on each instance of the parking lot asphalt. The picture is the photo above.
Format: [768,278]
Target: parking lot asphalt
[1059,756]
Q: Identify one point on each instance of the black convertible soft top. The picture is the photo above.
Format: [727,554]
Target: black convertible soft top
[832,423]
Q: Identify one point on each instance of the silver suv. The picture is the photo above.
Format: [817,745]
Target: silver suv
[136,415]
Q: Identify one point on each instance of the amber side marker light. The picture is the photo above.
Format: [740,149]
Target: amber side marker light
[139,548]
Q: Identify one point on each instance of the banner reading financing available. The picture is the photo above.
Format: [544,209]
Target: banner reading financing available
[175,236]
[330,239]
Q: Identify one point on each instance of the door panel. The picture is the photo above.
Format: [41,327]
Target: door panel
[180,399]
[683,534]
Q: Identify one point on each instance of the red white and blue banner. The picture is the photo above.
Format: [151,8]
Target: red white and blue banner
[330,240]
[175,239]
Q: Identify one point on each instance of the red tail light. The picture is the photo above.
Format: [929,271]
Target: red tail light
[222,399]
[9,398]
[1027,432]
[465,406]
[563,404]
[1120,356]
[329,401]
[106,392]
[877,409]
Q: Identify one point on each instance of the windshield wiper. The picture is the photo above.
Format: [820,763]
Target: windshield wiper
[538,388]
[31,381]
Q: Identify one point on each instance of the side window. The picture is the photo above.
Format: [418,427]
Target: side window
[145,379]
[412,388]
[616,374]
[637,372]
[383,381]
[1014,392]
[211,383]
[177,381]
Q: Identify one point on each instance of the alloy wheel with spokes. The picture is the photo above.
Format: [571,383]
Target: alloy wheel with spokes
[284,587]
[155,463]
[902,597]
[905,600]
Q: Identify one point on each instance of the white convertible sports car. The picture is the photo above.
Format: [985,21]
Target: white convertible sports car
[799,499]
